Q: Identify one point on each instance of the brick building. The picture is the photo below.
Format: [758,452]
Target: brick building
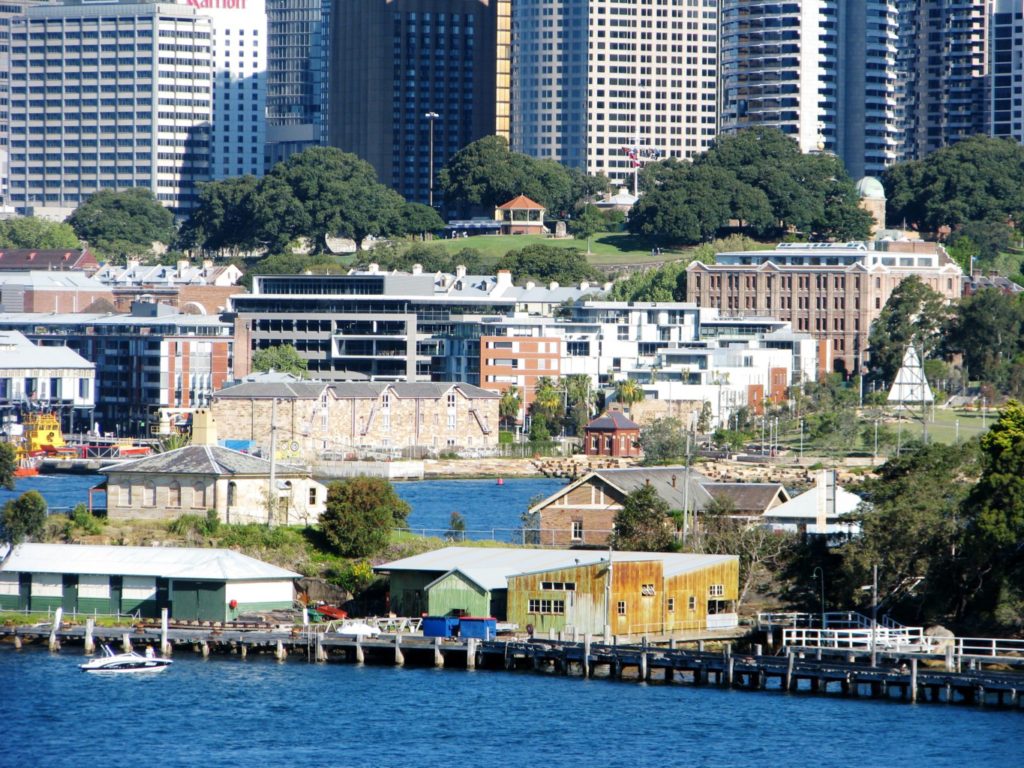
[833,291]
[350,418]
[518,362]
[612,434]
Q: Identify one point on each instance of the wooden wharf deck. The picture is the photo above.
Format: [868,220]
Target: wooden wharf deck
[911,681]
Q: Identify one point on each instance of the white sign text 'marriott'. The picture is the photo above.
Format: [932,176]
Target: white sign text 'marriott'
[226,4]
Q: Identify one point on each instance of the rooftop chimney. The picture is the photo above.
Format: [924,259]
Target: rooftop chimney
[504,279]
[552,286]
[584,285]
[182,266]
[460,270]
[417,269]
[530,285]
[373,268]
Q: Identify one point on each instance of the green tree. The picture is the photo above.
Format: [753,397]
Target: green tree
[910,530]
[975,180]
[914,315]
[546,263]
[359,515]
[509,405]
[628,392]
[456,527]
[418,219]
[548,406]
[282,357]
[8,464]
[323,192]
[123,223]
[24,517]
[987,240]
[663,441]
[987,330]
[642,523]
[580,396]
[223,217]
[431,257]
[30,232]
[665,283]
[588,223]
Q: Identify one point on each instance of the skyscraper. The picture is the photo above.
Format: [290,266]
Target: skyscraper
[603,85]
[109,96]
[393,62]
[1006,58]
[8,10]
[296,65]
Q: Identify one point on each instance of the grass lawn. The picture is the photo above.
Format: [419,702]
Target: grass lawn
[607,248]
[948,426]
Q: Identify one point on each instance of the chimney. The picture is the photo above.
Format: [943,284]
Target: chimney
[504,279]
[133,263]
[204,428]
[417,269]
[552,286]
[182,266]
[460,270]
[584,286]
[530,285]
[373,268]
[607,286]
[207,266]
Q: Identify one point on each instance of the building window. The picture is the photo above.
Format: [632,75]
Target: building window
[622,608]
[174,494]
[149,494]
[554,607]
[232,493]
[647,590]
[559,586]
[124,498]
[312,496]
[199,496]
[671,607]
[716,590]
[692,603]
[577,530]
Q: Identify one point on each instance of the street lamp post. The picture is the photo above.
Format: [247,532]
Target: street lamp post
[818,573]
[431,116]
[801,438]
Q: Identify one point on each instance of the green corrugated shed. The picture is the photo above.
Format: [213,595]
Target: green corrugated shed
[457,592]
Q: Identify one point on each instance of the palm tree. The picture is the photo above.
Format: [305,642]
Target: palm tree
[627,392]
[547,401]
[509,405]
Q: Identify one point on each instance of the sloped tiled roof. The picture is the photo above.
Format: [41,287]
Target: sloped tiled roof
[202,460]
[521,202]
[52,258]
[291,390]
[611,421]
[748,497]
[165,562]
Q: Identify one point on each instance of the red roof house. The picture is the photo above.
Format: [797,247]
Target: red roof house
[521,216]
[613,434]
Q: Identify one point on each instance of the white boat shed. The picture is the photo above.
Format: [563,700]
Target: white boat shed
[192,583]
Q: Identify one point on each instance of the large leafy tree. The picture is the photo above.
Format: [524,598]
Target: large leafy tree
[987,330]
[663,441]
[30,232]
[544,263]
[486,174]
[548,406]
[642,523]
[24,517]
[359,515]
[509,405]
[418,219]
[223,216]
[122,223]
[995,515]
[910,529]
[431,257]
[8,463]
[282,357]
[914,315]
[978,179]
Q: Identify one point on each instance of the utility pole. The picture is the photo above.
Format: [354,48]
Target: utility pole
[874,615]
[272,496]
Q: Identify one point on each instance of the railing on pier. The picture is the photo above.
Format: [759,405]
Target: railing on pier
[909,639]
[384,624]
[830,619]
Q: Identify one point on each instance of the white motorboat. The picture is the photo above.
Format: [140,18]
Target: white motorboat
[358,629]
[125,662]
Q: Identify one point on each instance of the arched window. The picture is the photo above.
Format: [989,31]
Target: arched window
[174,494]
[232,493]
[199,496]
[149,494]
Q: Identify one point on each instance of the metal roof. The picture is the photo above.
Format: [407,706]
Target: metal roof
[491,568]
[292,390]
[167,562]
[805,506]
[669,482]
[25,354]
[203,460]
[611,421]
[344,390]
[748,497]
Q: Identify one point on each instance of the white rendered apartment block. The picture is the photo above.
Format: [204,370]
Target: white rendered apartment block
[108,95]
[607,85]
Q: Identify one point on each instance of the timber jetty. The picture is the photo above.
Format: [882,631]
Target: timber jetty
[903,676]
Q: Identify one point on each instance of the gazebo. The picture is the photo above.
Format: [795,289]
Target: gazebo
[613,434]
[520,216]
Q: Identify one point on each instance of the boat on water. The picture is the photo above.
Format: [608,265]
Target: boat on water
[126,662]
[38,437]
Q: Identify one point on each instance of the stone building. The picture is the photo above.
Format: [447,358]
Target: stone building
[196,478]
[347,419]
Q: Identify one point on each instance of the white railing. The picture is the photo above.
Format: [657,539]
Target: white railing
[883,638]
[386,624]
[984,647]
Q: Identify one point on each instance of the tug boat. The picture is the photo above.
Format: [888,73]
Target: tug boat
[126,662]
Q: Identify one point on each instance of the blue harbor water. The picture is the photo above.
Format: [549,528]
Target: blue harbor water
[227,712]
[490,511]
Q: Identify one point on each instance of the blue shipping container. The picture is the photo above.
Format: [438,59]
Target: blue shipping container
[440,626]
[479,627]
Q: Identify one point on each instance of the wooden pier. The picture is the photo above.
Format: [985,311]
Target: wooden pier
[905,679]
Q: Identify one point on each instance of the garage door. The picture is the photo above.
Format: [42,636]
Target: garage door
[202,600]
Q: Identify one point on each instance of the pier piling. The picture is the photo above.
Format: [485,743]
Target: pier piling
[471,653]
[438,656]
[126,643]
[90,644]
[399,656]
[54,644]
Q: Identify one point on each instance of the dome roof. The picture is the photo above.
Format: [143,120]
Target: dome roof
[869,186]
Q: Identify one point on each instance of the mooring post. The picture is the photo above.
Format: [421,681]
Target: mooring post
[757,650]
[321,651]
[791,660]
[471,653]
[165,645]
[586,655]
[17,641]
[700,646]
[949,658]
[643,666]
[575,634]
[280,653]
[243,650]
[126,643]
[729,670]
[561,636]
[671,643]
[399,656]
[360,655]
[90,645]
[438,656]
[607,634]
[552,635]
[913,680]
[54,629]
